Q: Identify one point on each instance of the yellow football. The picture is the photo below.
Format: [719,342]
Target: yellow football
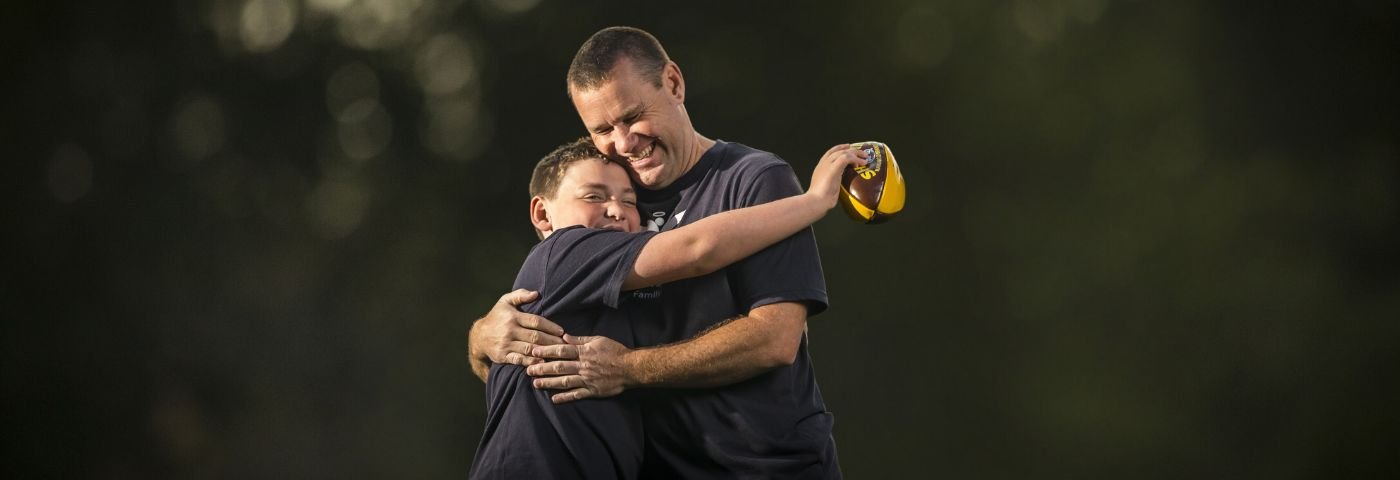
[874,192]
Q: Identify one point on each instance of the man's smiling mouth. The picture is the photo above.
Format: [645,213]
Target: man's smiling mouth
[644,155]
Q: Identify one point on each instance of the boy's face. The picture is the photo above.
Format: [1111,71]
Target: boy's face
[594,193]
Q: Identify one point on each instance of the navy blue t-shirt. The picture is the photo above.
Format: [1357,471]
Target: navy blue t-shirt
[579,274]
[774,425]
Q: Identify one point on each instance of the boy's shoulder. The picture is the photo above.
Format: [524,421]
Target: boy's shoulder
[579,245]
[578,267]
[556,244]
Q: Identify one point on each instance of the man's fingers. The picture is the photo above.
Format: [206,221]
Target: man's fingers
[536,322]
[534,337]
[556,352]
[571,395]
[514,358]
[557,383]
[572,340]
[519,297]
[573,386]
[564,382]
[553,368]
[523,348]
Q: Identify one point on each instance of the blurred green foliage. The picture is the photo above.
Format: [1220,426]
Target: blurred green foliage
[1143,239]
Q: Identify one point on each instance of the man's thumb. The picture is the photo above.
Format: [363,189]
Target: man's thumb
[520,297]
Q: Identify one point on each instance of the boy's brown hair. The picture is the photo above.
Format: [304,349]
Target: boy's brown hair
[549,173]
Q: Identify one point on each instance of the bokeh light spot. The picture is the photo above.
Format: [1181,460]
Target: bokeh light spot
[378,24]
[365,129]
[350,83]
[328,5]
[181,424]
[1038,20]
[265,24]
[512,7]
[445,64]
[335,208]
[70,174]
[456,128]
[197,128]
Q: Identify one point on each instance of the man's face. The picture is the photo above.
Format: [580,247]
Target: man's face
[596,194]
[630,118]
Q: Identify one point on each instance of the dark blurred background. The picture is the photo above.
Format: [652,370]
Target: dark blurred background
[1143,239]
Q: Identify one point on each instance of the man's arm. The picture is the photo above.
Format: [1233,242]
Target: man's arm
[506,335]
[736,350]
[718,240]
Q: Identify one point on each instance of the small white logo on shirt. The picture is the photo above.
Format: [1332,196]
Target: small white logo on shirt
[656,223]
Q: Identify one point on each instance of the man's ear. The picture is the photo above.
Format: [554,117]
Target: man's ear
[539,216]
[673,82]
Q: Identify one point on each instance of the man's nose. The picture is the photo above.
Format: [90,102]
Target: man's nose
[623,140]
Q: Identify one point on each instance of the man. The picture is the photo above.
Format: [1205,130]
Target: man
[741,330]
[583,208]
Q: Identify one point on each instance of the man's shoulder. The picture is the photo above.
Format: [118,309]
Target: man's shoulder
[750,168]
[745,158]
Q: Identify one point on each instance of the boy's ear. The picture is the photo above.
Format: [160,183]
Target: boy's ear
[539,216]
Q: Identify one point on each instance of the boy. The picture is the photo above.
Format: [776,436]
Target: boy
[584,209]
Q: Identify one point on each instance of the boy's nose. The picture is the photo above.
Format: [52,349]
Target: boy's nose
[616,210]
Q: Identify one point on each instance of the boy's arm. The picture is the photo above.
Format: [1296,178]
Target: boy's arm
[721,239]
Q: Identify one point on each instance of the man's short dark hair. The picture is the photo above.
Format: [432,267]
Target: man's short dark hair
[549,173]
[597,57]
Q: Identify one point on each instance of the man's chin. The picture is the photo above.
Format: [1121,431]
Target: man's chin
[648,179]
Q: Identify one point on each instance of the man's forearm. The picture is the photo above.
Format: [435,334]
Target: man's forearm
[734,351]
[481,364]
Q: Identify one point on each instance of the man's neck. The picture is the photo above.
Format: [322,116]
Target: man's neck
[698,146]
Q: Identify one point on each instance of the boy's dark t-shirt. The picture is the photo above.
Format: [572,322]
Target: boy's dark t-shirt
[579,274]
[774,425]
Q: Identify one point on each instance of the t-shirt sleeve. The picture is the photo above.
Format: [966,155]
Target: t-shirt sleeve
[788,271]
[585,268]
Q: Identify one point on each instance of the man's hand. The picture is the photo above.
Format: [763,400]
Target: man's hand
[506,335]
[583,367]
